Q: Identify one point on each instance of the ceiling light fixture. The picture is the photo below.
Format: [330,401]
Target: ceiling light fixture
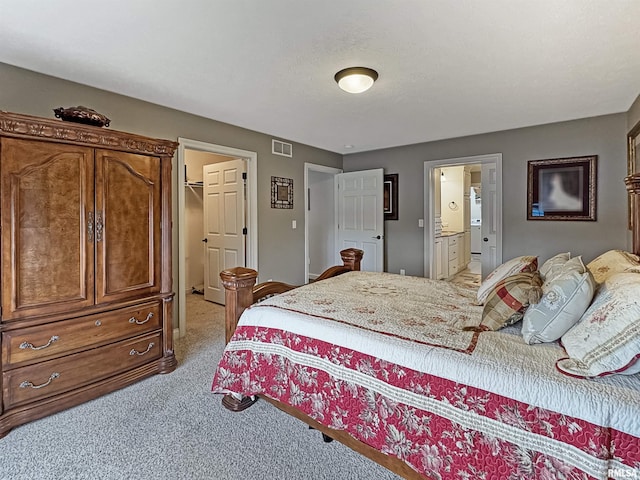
[356,79]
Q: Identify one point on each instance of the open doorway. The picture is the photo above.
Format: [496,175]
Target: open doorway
[343,210]
[320,219]
[193,156]
[458,212]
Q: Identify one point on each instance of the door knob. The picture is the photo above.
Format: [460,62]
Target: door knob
[205,240]
[377,237]
[485,239]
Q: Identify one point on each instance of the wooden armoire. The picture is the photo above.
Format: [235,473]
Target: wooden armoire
[86,285]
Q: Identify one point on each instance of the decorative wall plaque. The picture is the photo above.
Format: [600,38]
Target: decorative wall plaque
[281,192]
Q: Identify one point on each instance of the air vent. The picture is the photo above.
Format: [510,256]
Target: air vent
[281,148]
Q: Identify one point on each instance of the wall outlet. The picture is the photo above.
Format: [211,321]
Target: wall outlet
[402,272]
[294,224]
[420,223]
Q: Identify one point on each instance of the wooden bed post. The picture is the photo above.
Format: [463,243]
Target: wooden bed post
[351,257]
[633,187]
[238,285]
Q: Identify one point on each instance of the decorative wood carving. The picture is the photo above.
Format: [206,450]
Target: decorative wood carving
[633,187]
[17,125]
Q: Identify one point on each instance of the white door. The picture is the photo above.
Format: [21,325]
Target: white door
[224,223]
[361,215]
[490,220]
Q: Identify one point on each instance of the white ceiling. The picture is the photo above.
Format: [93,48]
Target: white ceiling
[448,68]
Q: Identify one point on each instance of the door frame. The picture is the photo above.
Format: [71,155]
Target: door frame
[251,258]
[429,206]
[312,167]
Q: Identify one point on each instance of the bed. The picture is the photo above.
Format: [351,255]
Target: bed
[414,374]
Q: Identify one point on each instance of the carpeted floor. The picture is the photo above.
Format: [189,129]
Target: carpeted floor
[172,427]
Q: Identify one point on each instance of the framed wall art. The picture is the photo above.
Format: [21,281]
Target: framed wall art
[390,196]
[281,192]
[562,189]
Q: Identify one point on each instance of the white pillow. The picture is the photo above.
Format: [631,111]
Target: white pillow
[606,340]
[523,264]
[565,299]
[553,266]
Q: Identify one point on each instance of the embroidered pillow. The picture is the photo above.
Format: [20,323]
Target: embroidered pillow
[521,264]
[507,302]
[606,340]
[612,262]
[565,299]
[553,266]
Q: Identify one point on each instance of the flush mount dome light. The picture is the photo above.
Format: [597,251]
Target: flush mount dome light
[356,79]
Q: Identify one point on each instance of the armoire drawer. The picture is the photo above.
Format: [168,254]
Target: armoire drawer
[27,384]
[33,344]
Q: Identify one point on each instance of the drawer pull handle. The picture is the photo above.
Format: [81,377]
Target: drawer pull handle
[25,345]
[138,322]
[135,352]
[28,384]
[90,228]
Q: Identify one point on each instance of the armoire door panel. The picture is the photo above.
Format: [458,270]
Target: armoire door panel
[128,194]
[47,204]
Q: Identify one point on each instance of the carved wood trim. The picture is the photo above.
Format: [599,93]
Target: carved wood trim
[633,187]
[351,257]
[18,125]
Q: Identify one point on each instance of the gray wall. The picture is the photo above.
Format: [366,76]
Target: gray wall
[281,249]
[604,136]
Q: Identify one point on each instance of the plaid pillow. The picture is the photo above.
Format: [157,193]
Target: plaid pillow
[525,263]
[509,299]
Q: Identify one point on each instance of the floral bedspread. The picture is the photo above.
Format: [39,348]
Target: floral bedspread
[497,411]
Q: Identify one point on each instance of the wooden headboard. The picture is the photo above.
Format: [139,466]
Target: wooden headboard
[633,187]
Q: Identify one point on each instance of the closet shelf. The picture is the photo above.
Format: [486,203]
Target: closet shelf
[193,184]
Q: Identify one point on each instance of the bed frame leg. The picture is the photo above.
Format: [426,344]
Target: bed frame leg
[232,403]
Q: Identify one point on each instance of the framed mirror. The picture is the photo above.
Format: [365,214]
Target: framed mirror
[633,146]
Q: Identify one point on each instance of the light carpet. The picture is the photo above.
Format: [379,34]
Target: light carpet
[172,426]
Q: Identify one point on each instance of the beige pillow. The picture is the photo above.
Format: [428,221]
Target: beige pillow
[606,340]
[507,302]
[553,266]
[612,262]
[564,301]
[523,264]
